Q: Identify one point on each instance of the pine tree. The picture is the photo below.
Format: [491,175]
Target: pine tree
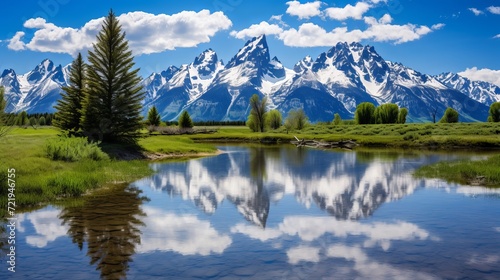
[69,107]
[112,108]
[185,120]
[154,118]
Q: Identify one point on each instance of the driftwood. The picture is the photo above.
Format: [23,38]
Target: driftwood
[344,144]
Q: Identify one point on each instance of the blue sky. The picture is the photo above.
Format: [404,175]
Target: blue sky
[430,36]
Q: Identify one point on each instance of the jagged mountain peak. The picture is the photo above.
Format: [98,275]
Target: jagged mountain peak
[169,72]
[303,64]
[481,91]
[207,62]
[8,72]
[41,71]
[255,50]
[207,56]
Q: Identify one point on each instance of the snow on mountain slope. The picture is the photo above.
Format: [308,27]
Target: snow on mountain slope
[483,92]
[336,81]
[36,91]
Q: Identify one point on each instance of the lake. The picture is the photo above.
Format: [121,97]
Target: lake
[271,212]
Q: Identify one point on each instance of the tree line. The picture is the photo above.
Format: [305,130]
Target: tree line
[260,119]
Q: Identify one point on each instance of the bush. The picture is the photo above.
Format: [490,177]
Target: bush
[365,113]
[494,112]
[450,116]
[296,119]
[73,149]
[386,113]
[336,119]
[41,121]
[403,112]
[274,119]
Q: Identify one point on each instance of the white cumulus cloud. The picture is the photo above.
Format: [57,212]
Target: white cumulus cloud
[494,10]
[303,11]
[313,35]
[485,74]
[147,33]
[476,12]
[497,36]
[257,29]
[15,43]
[355,12]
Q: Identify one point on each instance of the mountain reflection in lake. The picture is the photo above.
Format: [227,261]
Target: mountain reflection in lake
[271,212]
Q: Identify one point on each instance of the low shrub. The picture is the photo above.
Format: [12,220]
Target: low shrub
[73,149]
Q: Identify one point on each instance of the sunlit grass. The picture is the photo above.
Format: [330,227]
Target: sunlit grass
[484,172]
[41,180]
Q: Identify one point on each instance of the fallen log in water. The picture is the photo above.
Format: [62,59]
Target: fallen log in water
[344,144]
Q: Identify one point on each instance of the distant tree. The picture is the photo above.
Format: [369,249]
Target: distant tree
[3,117]
[386,113]
[494,112]
[433,114]
[185,120]
[112,107]
[41,121]
[22,119]
[450,116]
[365,113]
[3,103]
[336,119]
[33,121]
[154,117]
[69,107]
[274,119]
[256,119]
[297,119]
[403,112]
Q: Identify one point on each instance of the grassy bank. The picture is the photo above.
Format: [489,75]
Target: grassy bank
[465,135]
[42,180]
[482,172]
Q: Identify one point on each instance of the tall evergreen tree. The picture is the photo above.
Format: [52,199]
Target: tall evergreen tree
[154,117]
[69,107]
[112,108]
[185,120]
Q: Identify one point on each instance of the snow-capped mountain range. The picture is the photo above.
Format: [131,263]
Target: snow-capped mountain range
[335,82]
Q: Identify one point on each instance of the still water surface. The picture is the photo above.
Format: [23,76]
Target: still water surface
[271,213]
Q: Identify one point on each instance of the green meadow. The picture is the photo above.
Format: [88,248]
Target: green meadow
[50,168]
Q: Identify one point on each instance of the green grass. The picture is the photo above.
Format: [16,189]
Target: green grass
[466,135]
[42,180]
[484,172]
[174,145]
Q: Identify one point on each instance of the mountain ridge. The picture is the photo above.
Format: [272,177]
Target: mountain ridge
[335,82]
